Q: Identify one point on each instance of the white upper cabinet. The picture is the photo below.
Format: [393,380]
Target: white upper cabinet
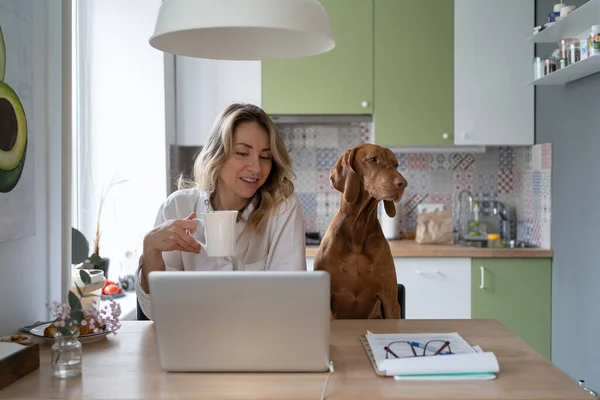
[203,88]
[493,64]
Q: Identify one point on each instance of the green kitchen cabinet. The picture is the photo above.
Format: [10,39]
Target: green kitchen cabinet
[518,293]
[336,82]
[414,73]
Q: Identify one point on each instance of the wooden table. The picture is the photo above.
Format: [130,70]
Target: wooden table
[126,366]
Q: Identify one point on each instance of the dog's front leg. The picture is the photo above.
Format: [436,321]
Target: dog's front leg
[391,309]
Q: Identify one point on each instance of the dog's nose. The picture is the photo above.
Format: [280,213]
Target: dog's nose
[400,182]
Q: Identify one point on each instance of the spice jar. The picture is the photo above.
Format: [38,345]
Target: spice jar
[549,65]
[574,53]
[538,68]
[563,47]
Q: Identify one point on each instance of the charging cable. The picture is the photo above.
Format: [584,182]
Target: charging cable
[331,371]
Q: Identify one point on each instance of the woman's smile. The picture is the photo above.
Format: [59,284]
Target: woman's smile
[250,182]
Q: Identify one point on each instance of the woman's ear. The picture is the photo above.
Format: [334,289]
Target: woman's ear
[344,178]
[390,208]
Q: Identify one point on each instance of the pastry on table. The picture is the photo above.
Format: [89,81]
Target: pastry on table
[83,330]
[18,338]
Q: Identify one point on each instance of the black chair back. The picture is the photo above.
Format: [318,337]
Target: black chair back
[402,300]
[140,314]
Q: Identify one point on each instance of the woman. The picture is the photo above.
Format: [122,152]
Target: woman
[244,166]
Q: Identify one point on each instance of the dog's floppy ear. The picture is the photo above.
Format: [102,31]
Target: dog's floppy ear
[344,179]
[390,208]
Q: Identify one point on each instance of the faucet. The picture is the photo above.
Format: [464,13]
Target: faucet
[499,209]
[462,226]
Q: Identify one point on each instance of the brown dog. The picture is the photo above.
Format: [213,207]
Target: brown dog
[354,250]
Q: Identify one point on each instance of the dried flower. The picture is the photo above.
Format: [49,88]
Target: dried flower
[95,256]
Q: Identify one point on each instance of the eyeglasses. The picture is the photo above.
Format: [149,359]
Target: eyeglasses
[436,347]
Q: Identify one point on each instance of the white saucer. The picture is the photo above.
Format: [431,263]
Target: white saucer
[38,332]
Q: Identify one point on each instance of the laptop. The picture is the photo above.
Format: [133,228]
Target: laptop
[241,321]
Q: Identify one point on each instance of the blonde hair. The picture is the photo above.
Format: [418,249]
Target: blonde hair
[218,148]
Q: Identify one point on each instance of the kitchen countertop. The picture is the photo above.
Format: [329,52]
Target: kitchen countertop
[409,248]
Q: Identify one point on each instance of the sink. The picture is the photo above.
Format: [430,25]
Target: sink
[517,244]
[471,243]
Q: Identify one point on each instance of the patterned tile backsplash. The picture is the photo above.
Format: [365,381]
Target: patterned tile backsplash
[519,177]
[536,188]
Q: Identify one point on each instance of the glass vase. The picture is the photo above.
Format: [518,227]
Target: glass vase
[66,355]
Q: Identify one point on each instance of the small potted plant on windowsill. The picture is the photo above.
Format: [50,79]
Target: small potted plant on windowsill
[95,261]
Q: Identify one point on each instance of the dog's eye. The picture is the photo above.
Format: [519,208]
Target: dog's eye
[396,166]
[372,159]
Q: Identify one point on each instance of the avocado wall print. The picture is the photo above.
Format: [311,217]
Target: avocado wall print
[13,138]
[17,179]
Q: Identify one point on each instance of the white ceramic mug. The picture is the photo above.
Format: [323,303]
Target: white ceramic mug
[219,232]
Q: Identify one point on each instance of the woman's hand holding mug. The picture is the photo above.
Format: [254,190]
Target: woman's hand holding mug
[169,236]
[174,235]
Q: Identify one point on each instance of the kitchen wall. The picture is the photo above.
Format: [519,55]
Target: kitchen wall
[567,117]
[31,266]
[516,176]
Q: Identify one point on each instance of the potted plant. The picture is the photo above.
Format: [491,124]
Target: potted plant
[95,260]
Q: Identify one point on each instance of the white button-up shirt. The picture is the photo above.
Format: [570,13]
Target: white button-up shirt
[279,246]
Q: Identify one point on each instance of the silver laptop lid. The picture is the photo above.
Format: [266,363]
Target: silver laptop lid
[241,320]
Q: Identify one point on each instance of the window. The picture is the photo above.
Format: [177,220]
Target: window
[119,120]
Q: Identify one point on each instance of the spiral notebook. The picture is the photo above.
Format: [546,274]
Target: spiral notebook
[465,362]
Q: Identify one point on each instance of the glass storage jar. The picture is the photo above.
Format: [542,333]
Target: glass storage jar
[493,240]
[573,55]
[563,47]
[538,68]
[549,65]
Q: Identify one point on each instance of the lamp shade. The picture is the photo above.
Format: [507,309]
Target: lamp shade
[242,29]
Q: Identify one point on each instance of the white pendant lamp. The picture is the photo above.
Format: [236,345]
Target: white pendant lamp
[242,29]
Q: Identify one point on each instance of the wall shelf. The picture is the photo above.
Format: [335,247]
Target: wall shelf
[571,26]
[580,69]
